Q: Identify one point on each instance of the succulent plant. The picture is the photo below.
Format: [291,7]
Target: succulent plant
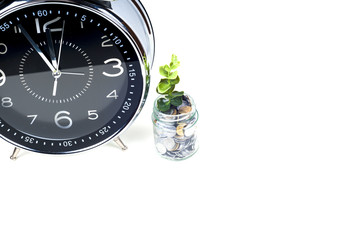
[167,85]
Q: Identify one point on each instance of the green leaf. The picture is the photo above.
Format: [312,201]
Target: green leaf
[176,101]
[163,71]
[170,90]
[174,62]
[174,59]
[177,94]
[163,86]
[175,81]
[174,66]
[163,104]
[173,75]
[167,93]
[167,68]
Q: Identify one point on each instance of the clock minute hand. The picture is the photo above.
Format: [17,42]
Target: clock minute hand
[38,50]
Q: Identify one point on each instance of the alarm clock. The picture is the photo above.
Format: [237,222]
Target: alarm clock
[73,74]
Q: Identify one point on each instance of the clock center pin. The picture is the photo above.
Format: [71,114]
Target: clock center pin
[56,74]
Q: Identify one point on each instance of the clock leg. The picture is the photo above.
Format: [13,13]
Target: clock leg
[15,154]
[120,143]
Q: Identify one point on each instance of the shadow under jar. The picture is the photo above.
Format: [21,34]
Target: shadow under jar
[175,135]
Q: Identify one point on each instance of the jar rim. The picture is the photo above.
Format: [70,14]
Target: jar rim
[167,121]
[160,116]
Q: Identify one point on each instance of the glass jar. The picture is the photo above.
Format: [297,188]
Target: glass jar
[175,135]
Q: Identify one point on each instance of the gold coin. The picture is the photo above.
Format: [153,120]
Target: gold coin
[185,109]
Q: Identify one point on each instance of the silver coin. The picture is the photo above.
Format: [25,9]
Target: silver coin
[161,148]
[190,131]
[169,144]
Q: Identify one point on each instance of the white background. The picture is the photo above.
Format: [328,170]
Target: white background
[276,84]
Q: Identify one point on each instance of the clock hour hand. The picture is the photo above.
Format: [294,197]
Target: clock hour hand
[36,47]
[51,49]
[73,73]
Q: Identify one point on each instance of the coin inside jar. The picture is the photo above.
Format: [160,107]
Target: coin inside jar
[175,130]
[185,109]
[161,148]
[170,144]
[174,112]
[180,129]
[188,132]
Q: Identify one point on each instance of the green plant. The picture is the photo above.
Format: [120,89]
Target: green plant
[167,85]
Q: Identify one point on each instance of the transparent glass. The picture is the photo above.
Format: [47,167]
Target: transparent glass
[175,135]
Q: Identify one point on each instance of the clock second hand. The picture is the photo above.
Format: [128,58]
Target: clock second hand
[61,43]
[55,86]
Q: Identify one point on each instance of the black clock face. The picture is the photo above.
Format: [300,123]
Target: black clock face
[69,78]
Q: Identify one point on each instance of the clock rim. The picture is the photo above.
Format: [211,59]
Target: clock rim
[135,44]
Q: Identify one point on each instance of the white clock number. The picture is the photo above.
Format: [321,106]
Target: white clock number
[2,78]
[33,118]
[29,139]
[6,102]
[4,26]
[113,94]
[38,28]
[42,13]
[103,131]
[3,48]
[116,66]
[93,115]
[106,42]
[62,120]
[126,105]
